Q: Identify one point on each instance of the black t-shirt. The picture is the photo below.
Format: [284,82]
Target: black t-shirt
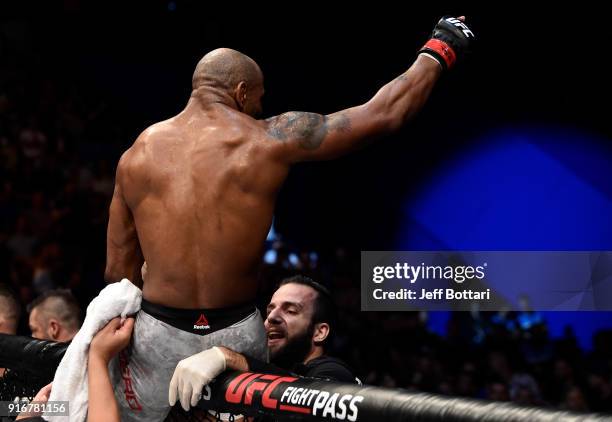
[324,367]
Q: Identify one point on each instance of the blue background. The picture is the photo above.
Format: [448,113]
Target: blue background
[527,188]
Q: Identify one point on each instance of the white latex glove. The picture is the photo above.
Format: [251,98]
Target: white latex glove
[192,374]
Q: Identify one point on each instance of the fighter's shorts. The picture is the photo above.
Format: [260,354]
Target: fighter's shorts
[162,337]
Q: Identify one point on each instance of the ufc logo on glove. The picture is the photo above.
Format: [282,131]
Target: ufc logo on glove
[459,24]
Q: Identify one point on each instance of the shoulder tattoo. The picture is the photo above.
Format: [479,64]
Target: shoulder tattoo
[308,129]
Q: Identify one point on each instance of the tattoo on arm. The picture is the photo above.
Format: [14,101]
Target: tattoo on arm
[308,129]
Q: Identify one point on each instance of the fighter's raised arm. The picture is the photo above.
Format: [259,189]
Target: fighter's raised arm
[303,136]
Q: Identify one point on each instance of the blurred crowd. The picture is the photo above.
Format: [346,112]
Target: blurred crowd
[59,143]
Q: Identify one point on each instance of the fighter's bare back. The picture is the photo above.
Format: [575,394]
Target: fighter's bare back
[202,192]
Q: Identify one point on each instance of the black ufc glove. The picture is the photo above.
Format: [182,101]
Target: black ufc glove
[450,40]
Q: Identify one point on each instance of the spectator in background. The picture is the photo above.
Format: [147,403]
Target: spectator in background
[600,392]
[33,141]
[9,310]
[37,213]
[575,401]
[47,259]
[102,181]
[55,315]
[563,380]
[525,390]
[22,242]
[9,313]
[497,390]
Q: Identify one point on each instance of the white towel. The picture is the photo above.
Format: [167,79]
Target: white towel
[70,382]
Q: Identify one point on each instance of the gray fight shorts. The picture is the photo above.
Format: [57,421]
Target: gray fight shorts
[164,336]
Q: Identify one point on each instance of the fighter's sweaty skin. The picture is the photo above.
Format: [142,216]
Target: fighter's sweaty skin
[202,191]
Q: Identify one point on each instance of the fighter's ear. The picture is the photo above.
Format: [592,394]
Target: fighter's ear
[321,332]
[53,328]
[240,94]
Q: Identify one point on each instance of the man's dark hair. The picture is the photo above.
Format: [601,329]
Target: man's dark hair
[61,303]
[324,305]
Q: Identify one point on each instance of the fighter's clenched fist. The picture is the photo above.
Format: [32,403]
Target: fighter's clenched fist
[451,39]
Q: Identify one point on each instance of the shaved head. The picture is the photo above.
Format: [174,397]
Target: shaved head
[226,68]
[54,315]
[61,308]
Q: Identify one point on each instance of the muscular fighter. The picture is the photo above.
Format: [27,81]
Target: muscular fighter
[195,194]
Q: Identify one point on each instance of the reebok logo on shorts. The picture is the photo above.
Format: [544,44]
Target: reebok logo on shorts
[201,323]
